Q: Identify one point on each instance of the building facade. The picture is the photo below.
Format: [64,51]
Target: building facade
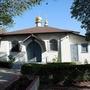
[44,44]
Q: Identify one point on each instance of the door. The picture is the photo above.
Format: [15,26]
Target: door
[34,51]
[74,52]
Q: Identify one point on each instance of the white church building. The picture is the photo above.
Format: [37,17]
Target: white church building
[44,44]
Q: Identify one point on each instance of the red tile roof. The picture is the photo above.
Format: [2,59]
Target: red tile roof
[39,30]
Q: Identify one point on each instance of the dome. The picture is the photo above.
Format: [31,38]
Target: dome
[38,19]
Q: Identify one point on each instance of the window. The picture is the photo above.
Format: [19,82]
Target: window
[84,48]
[53,45]
[15,46]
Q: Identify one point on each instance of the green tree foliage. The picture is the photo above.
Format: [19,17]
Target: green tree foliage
[11,8]
[80,10]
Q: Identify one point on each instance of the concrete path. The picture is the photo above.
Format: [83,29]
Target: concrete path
[7,76]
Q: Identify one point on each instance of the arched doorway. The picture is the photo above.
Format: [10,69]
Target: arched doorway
[34,51]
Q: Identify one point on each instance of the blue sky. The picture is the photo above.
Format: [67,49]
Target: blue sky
[57,12]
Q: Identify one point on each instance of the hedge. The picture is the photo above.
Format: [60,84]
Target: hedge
[5,64]
[57,72]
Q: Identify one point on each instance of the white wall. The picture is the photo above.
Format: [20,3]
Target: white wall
[49,55]
[4,47]
[65,49]
[75,39]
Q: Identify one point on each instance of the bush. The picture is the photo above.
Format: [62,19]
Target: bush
[5,64]
[57,72]
[11,58]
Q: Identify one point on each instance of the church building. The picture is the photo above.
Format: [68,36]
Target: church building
[44,44]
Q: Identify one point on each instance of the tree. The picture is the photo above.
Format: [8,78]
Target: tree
[80,10]
[11,8]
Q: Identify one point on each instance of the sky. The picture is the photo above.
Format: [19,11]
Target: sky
[57,12]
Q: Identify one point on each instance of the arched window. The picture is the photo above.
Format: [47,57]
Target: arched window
[53,45]
[15,46]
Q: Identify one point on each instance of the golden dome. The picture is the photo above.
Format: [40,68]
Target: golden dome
[38,19]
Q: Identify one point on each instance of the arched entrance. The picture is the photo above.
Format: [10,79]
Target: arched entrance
[34,51]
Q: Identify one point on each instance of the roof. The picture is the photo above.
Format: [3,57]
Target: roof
[35,38]
[39,30]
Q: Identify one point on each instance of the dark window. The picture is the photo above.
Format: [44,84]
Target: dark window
[84,48]
[53,45]
[15,46]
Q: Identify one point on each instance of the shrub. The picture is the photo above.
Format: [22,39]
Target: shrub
[5,64]
[11,58]
[56,72]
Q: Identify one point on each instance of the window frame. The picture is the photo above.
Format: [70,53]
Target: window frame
[53,45]
[84,48]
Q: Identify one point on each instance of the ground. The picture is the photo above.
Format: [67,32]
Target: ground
[7,76]
[65,88]
[83,85]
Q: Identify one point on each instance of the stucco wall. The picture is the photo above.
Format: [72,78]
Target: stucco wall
[5,46]
[75,39]
[65,49]
[48,55]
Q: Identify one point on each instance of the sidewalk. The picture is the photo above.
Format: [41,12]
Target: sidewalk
[7,76]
